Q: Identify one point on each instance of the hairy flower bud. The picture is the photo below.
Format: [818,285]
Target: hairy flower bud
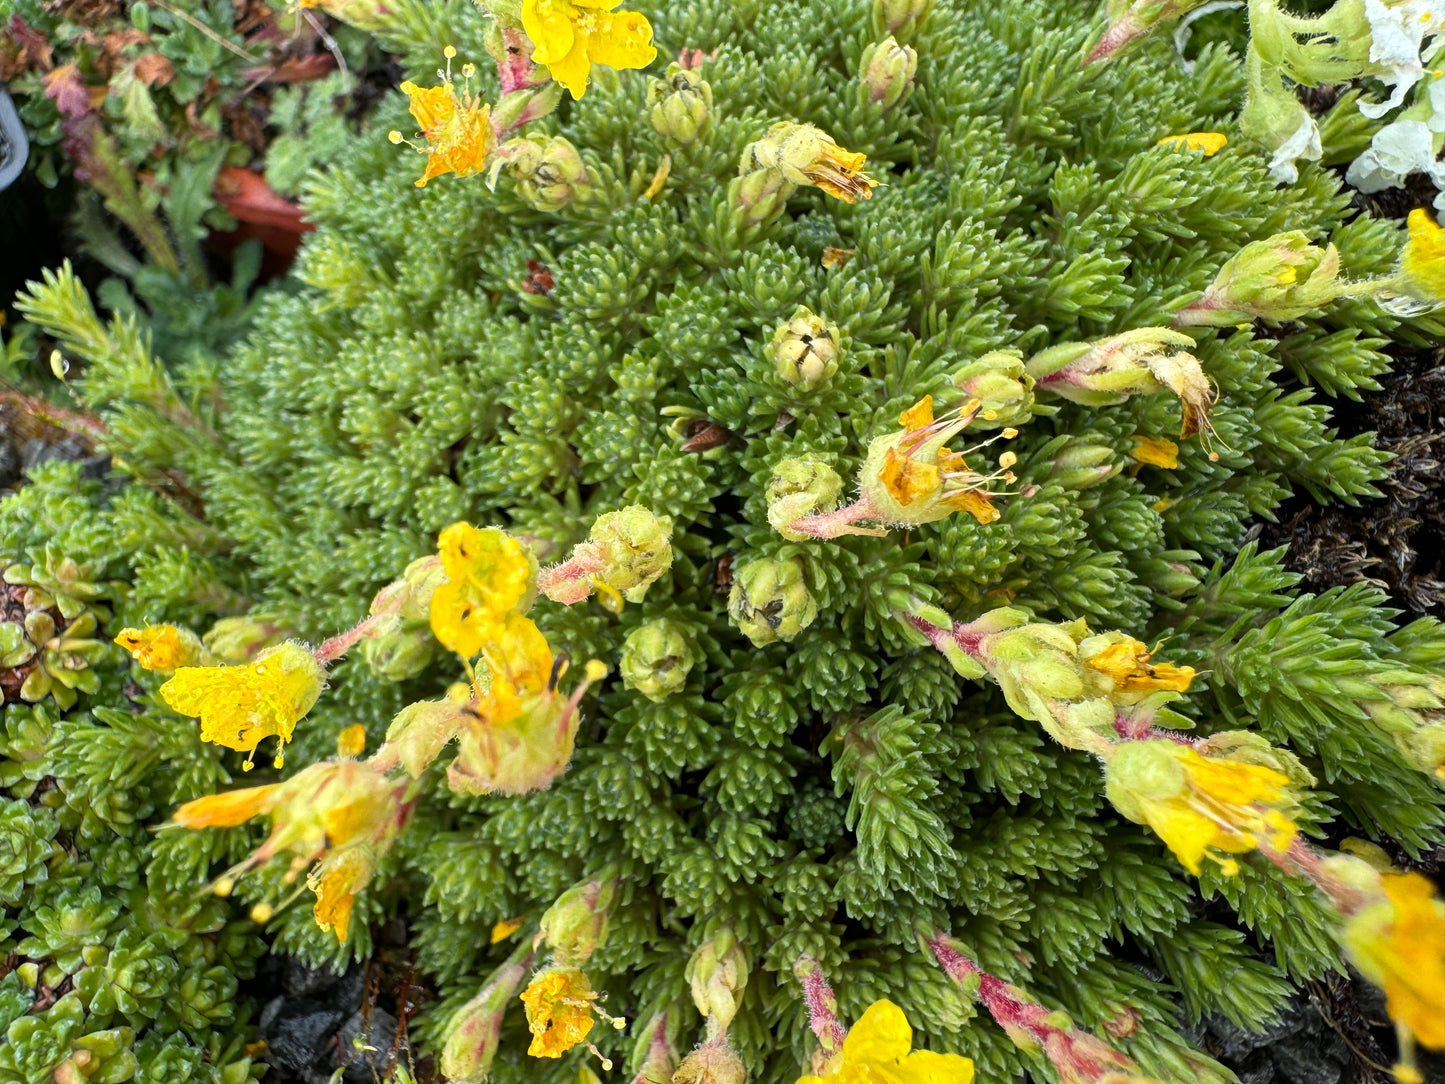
[769,601]
[804,349]
[900,18]
[680,104]
[1003,387]
[240,639]
[548,171]
[1413,715]
[399,643]
[634,546]
[419,731]
[715,1062]
[798,488]
[575,926]
[887,70]
[717,973]
[1280,278]
[656,659]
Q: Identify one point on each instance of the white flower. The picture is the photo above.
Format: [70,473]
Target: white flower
[1397,33]
[1398,150]
[1305,143]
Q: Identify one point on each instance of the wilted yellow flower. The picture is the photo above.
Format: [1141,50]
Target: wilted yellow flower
[559,1004]
[569,36]
[520,664]
[240,706]
[1200,804]
[227,810]
[336,880]
[1208,142]
[489,575]
[804,154]
[912,477]
[879,1047]
[164,648]
[1120,665]
[458,127]
[1422,263]
[1398,943]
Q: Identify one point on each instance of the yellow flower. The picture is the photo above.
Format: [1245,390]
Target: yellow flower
[1398,944]
[569,36]
[878,1050]
[1155,452]
[163,648]
[1121,666]
[1208,142]
[489,575]
[1199,804]
[559,1011]
[336,880]
[458,128]
[1422,263]
[240,706]
[520,663]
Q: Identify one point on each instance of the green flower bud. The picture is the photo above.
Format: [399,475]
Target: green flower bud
[680,105]
[900,18]
[635,548]
[1281,278]
[1000,382]
[717,973]
[1413,716]
[798,488]
[575,926]
[769,601]
[238,640]
[805,350]
[548,171]
[887,72]
[757,196]
[507,13]
[419,731]
[473,1034]
[400,644]
[656,659]
[1082,464]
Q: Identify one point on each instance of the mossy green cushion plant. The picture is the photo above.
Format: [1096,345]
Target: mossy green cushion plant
[791,767]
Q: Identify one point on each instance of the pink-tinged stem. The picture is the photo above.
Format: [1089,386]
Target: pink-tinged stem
[1301,860]
[659,1054]
[1200,312]
[515,68]
[338,646]
[821,1004]
[1124,30]
[840,522]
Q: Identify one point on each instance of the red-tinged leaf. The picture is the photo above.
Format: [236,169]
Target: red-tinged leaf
[295,70]
[247,197]
[154,70]
[35,50]
[64,87]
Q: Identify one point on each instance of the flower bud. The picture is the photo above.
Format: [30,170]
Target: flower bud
[548,171]
[911,477]
[1081,463]
[656,659]
[900,18]
[399,643]
[654,1049]
[240,639]
[680,105]
[1413,716]
[635,548]
[717,973]
[805,349]
[1281,278]
[770,602]
[1419,285]
[473,1034]
[507,13]
[887,72]
[1003,387]
[1033,662]
[419,731]
[757,196]
[575,926]
[715,1062]
[800,487]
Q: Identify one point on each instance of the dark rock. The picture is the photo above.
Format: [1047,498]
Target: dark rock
[9,466]
[1257,1069]
[1305,1060]
[300,980]
[370,1058]
[301,1033]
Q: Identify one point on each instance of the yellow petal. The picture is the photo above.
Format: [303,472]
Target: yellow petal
[927,1067]
[882,1034]
[907,479]
[431,106]
[621,40]
[918,416]
[552,26]
[572,69]
[226,810]
[1208,142]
